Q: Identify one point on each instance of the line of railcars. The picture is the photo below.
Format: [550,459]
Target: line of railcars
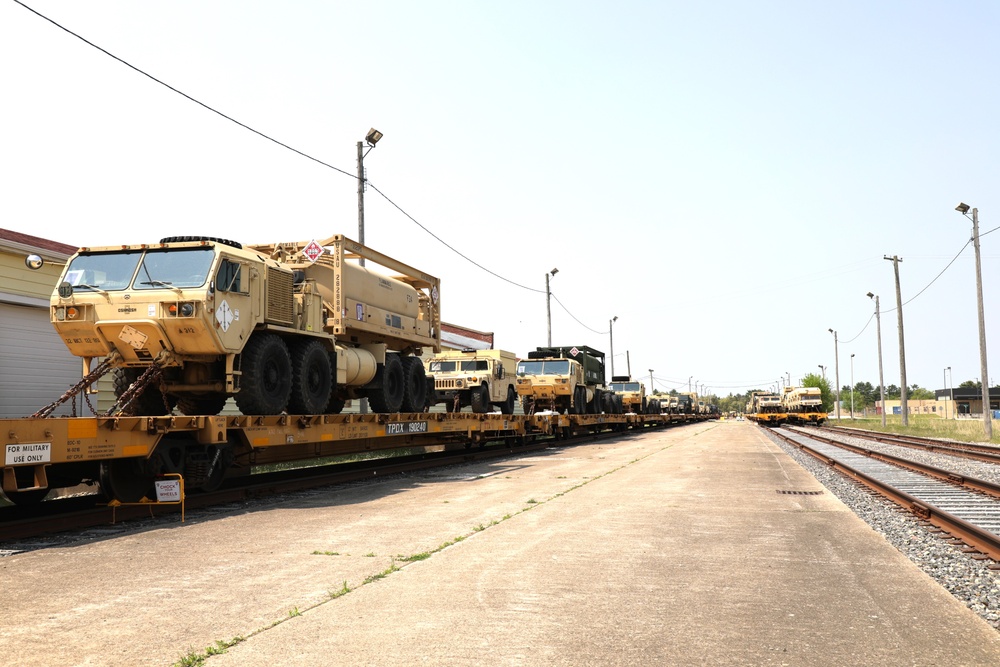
[795,405]
[292,332]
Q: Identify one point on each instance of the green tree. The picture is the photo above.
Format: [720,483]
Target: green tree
[813,380]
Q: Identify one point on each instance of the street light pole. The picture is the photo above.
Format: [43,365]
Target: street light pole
[548,302]
[903,407]
[650,381]
[852,385]
[611,335]
[878,331]
[371,138]
[836,368]
[823,369]
[987,421]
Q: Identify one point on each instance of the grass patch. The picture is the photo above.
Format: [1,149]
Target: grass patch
[326,553]
[928,426]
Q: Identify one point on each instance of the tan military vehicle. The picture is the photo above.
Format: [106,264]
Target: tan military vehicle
[479,379]
[565,379]
[299,327]
[632,393]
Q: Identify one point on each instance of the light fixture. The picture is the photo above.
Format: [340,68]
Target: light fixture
[373,136]
[553,272]
[962,208]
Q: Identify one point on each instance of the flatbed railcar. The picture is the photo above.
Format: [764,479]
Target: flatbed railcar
[124,455]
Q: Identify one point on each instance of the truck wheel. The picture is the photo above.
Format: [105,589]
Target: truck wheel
[201,405]
[580,400]
[480,399]
[507,407]
[312,380]
[386,391]
[414,385]
[594,407]
[267,376]
[150,403]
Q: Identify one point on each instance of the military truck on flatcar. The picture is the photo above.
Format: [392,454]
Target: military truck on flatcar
[564,379]
[300,327]
[479,379]
[632,393]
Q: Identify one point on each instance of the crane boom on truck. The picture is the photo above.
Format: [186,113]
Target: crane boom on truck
[299,327]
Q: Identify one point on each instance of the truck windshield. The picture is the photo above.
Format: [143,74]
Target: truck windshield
[553,367]
[624,386]
[105,271]
[114,271]
[186,267]
[442,366]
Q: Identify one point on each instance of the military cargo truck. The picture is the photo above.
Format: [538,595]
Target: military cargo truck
[300,327]
[479,379]
[565,379]
[632,393]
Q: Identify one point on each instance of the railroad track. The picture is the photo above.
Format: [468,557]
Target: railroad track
[965,507]
[986,453]
[80,513]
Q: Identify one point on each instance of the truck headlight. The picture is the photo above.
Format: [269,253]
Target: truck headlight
[185,309]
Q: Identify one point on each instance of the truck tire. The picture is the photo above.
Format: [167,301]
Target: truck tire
[414,385]
[150,403]
[480,399]
[267,376]
[594,407]
[580,400]
[385,392]
[507,407]
[312,379]
[201,405]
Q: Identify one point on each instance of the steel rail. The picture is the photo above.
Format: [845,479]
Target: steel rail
[972,451]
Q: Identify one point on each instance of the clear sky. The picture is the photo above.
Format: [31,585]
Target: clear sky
[724,177]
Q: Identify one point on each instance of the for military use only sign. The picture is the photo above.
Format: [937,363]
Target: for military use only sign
[28,453]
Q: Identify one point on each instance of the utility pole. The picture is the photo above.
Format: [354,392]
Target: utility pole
[878,330]
[548,302]
[904,408]
[987,415]
[650,381]
[836,369]
[611,341]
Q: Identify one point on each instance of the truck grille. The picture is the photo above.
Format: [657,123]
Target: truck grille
[280,308]
[449,384]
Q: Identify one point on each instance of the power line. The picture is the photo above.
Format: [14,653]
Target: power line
[272,139]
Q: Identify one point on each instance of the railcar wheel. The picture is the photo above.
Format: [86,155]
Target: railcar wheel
[507,407]
[414,385]
[267,376]
[386,394]
[126,480]
[312,379]
[150,403]
[201,405]
[480,399]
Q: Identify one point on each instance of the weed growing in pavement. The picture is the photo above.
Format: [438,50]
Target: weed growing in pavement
[532,501]
[326,553]
[293,612]
[193,659]
[370,554]
[423,555]
[383,574]
[479,528]
[333,595]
